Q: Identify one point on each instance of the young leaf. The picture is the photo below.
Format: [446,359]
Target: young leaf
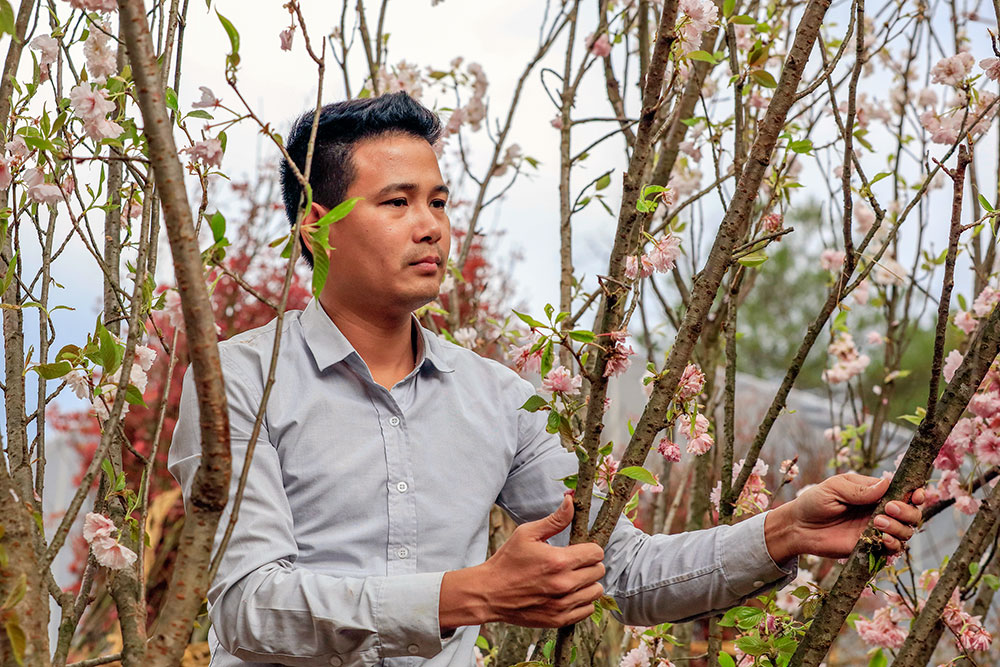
[638,473]
[763,78]
[534,403]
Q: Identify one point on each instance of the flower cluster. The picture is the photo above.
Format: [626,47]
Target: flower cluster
[981,307]
[97,531]
[618,359]
[561,379]
[661,258]
[93,106]
[849,362]
[699,439]
[108,387]
[698,17]
[691,383]
[754,497]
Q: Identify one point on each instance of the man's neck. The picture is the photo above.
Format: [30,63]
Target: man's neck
[386,344]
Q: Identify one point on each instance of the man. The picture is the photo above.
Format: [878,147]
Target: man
[363,529]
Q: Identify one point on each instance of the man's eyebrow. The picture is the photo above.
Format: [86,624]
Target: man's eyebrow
[409,187]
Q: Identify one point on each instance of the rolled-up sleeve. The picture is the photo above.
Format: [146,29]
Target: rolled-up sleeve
[653,578]
[266,609]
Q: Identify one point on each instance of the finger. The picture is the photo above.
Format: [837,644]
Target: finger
[551,525]
[894,528]
[904,512]
[858,489]
[891,543]
[578,614]
[583,555]
[918,497]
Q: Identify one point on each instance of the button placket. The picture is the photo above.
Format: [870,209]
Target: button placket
[402,504]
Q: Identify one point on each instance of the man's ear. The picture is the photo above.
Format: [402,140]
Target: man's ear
[316,211]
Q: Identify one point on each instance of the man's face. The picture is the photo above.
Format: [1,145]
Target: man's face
[392,250]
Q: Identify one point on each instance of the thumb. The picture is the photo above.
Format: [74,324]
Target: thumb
[862,489]
[553,524]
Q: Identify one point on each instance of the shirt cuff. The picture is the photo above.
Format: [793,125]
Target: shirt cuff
[407,615]
[746,562]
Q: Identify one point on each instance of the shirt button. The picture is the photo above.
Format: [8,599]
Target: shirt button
[394,421]
[336,661]
[758,584]
[402,487]
[413,649]
[402,552]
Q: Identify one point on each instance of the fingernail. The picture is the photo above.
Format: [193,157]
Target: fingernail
[881,522]
[892,508]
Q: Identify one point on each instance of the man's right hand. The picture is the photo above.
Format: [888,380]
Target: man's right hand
[527,581]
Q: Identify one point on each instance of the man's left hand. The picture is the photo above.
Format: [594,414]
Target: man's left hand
[828,519]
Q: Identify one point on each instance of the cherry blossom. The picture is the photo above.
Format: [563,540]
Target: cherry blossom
[78,384]
[17,148]
[638,657]
[991,67]
[618,359]
[862,292]
[599,45]
[38,190]
[111,554]
[772,222]
[466,337]
[557,122]
[208,152]
[849,362]
[889,271]
[951,71]
[101,59]
[95,5]
[881,630]
[985,301]
[831,260]
[97,525]
[864,217]
[789,468]
[951,364]
[48,50]
[208,99]
[562,380]
[691,383]
[668,450]
[525,360]
[965,321]
[665,252]
[5,176]
[286,38]
[638,266]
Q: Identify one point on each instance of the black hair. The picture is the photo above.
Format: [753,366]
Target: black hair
[341,126]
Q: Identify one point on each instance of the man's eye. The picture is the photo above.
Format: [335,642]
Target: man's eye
[398,203]
[439,203]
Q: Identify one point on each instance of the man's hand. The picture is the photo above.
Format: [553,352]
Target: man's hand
[527,581]
[827,519]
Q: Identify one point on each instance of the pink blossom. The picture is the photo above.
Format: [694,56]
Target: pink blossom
[48,49]
[111,554]
[693,429]
[973,636]
[966,504]
[985,404]
[527,361]
[144,356]
[618,360]
[208,99]
[864,217]
[101,59]
[691,383]
[606,472]
[772,222]
[991,67]
[700,445]
[102,128]
[951,364]
[134,209]
[987,447]
[862,292]
[466,337]
[985,301]
[560,379]
[38,190]
[5,176]
[665,252]
[208,152]
[832,434]
[668,450]
[831,260]
[90,103]
[881,630]
[953,69]
[965,321]
[637,657]
[95,5]
[286,38]
[78,384]
[927,98]
[599,45]
[97,525]
[17,148]
[702,14]
[789,468]
[557,122]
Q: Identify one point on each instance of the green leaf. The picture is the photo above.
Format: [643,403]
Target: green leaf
[753,259]
[529,320]
[133,396]
[7,20]
[743,19]
[547,360]
[17,593]
[8,277]
[763,78]
[878,659]
[728,7]
[583,336]
[703,56]
[218,224]
[992,581]
[637,473]
[170,98]
[879,176]
[482,643]
[986,203]
[233,59]
[534,403]
[726,660]
[801,146]
[552,425]
[604,181]
[111,354]
[609,602]
[751,645]
[53,370]
[16,637]
[201,113]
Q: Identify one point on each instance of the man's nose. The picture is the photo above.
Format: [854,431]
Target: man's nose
[429,227]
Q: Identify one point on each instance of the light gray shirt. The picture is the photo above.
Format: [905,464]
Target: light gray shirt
[360,498]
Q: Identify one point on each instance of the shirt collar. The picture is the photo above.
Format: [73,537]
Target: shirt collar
[329,346]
